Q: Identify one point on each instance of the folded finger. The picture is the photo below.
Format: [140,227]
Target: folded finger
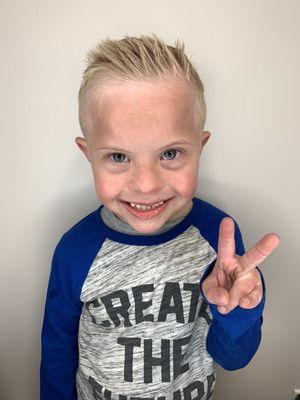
[244,285]
[252,299]
[215,294]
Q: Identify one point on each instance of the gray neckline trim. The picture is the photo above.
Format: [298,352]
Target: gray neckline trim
[113,222]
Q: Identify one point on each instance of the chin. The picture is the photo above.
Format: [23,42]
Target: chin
[147,231]
[147,228]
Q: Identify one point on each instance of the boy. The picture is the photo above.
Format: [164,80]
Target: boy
[153,287]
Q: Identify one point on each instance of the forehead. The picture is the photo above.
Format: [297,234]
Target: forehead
[150,108]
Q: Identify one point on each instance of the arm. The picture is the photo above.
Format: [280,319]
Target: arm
[59,333]
[234,288]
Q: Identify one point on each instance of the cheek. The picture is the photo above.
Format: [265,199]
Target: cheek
[107,187]
[185,181]
[186,185]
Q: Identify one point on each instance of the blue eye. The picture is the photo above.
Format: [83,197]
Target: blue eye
[117,157]
[171,154]
[120,158]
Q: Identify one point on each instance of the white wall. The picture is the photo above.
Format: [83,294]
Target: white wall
[247,53]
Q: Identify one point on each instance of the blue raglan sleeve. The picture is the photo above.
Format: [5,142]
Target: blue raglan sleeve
[234,338]
[59,359]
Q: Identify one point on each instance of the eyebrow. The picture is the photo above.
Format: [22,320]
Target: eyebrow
[176,143]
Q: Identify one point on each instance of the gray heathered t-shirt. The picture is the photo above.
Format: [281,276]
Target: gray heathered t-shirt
[143,326]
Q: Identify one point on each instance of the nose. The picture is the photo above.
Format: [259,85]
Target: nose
[146,179]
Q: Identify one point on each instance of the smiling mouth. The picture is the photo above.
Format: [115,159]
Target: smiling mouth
[146,211]
[142,205]
[151,206]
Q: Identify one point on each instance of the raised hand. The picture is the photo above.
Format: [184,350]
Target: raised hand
[235,279]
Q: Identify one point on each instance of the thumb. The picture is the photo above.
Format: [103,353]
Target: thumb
[214,293]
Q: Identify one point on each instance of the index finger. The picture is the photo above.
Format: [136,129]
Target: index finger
[259,252]
[226,241]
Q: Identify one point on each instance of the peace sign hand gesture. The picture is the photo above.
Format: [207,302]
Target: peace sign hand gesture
[235,280]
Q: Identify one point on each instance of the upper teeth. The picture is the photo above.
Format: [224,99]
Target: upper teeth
[145,207]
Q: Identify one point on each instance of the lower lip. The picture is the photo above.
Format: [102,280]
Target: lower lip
[146,214]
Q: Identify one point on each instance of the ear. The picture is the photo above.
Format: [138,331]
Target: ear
[205,135]
[83,146]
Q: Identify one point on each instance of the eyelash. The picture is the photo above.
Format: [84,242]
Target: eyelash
[121,162]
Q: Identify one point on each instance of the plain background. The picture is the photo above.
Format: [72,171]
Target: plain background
[247,54]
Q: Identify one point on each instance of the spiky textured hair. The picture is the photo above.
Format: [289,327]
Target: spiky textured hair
[138,58]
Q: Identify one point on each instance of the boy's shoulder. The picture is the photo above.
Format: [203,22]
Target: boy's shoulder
[83,235]
[207,218]
[207,213]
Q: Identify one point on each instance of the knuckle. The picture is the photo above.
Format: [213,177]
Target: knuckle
[238,272]
[248,287]
[259,250]
[255,298]
[250,259]
[259,296]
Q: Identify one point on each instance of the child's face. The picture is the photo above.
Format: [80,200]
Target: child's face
[144,148]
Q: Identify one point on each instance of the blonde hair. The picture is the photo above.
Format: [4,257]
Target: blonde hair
[136,58]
